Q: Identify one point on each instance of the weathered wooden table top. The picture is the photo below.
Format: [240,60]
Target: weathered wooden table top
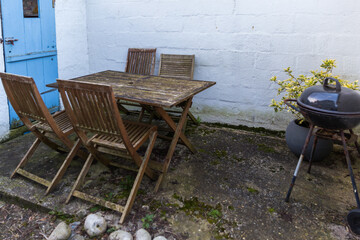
[148,90]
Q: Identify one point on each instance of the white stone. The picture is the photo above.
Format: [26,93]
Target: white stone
[142,234]
[95,225]
[82,213]
[160,238]
[61,232]
[120,235]
[113,221]
[77,237]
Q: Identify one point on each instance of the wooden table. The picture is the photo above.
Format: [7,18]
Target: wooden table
[155,91]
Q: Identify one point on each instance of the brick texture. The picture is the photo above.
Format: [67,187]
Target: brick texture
[240,44]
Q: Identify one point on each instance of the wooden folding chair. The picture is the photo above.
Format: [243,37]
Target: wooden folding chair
[139,61]
[31,109]
[92,109]
[179,66]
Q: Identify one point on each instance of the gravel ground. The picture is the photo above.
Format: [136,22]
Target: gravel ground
[21,223]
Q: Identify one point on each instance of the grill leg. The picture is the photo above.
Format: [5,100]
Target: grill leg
[350,168]
[299,163]
[356,143]
[312,153]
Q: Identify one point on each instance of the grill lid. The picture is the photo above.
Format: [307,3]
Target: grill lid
[330,98]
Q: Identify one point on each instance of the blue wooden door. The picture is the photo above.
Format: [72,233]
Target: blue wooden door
[30,46]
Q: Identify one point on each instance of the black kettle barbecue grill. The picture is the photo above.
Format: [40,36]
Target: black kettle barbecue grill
[333,109]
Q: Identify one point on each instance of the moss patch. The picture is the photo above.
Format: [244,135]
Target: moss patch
[212,214]
[261,130]
[14,133]
[253,190]
[265,148]
[63,216]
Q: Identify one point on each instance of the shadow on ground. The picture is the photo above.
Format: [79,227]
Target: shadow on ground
[233,188]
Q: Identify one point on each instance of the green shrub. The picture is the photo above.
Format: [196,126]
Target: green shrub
[294,86]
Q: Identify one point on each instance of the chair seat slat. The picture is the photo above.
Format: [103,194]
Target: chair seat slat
[65,125]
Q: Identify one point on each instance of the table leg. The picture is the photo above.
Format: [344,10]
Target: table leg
[178,134]
[164,115]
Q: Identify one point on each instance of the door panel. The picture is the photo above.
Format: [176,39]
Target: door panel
[32,29]
[34,53]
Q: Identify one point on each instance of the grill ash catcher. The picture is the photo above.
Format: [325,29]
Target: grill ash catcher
[330,110]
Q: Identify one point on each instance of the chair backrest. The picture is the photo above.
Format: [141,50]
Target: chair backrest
[181,66]
[25,98]
[92,108]
[141,61]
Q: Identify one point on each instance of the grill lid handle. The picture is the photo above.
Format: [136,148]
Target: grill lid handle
[286,101]
[327,86]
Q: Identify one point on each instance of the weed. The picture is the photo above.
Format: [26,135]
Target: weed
[147,220]
[63,216]
[238,159]
[95,208]
[110,230]
[201,150]
[271,210]
[214,213]
[215,162]
[220,153]
[252,190]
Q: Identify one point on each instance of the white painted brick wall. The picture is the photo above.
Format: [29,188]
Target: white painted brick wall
[71,37]
[239,44]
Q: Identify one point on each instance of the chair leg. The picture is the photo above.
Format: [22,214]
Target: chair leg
[350,168]
[81,176]
[139,177]
[48,142]
[141,115]
[27,156]
[299,163]
[64,166]
[312,153]
[151,117]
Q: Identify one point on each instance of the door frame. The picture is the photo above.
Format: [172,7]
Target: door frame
[4,103]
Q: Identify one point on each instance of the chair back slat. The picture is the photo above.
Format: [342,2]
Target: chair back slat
[24,96]
[181,66]
[91,107]
[141,61]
